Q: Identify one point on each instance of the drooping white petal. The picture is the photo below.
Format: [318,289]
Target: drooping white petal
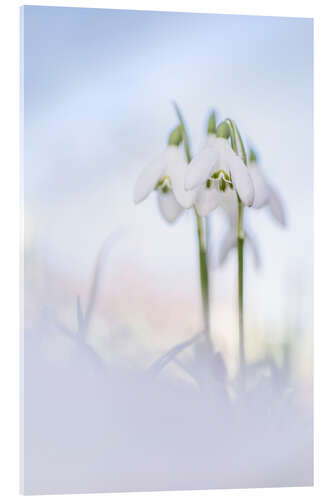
[177,170]
[252,243]
[230,206]
[148,179]
[228,243]
[224,151]
[211,141]
[169,206]
[173,154]
[200,168]
[276,207]
[261,188]
[207,199]
[241,179]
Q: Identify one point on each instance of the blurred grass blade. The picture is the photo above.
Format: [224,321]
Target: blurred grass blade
[158,365]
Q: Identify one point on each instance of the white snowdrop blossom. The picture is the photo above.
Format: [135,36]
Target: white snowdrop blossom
[265,195]
[166,176]
[214,170]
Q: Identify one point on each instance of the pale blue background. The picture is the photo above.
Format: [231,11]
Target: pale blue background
[98,88]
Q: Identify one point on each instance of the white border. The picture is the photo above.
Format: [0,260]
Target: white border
[9,144]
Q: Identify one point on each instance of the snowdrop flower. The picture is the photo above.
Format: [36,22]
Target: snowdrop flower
[216,168]
[166,176]
[265,195]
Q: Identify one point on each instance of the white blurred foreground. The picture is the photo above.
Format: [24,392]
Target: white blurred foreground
[96,428]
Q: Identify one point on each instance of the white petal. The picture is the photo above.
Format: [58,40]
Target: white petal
[261,188]
[207,200]
[169,206]
[200,168]
[230,206]
[225,152]
[173,154]
[241,179]
[252,242]
[276,207]
[148,179]
[228,243]
[177,170]
[212,141]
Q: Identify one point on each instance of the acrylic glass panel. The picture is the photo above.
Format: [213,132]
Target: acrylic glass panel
[167,185]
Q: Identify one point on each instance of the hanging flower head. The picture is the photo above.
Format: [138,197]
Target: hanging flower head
[165,175]
[218,168]
[265,194]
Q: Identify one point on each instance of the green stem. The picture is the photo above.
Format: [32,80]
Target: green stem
[235,133]
[240,254]
[202,241]
[185,135]
[204,276]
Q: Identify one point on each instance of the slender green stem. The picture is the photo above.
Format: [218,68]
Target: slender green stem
[236,137]
[184,132]
[204,276]
[240,254]
[202,242]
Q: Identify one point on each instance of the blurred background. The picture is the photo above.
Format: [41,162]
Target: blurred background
[98,87]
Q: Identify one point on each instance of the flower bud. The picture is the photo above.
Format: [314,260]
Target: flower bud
[175,137]
[252,156]
[211,127]
[223,130]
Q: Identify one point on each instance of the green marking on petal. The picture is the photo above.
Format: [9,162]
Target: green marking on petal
[226,176]
[164,184]
[222,185]
[216,175]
